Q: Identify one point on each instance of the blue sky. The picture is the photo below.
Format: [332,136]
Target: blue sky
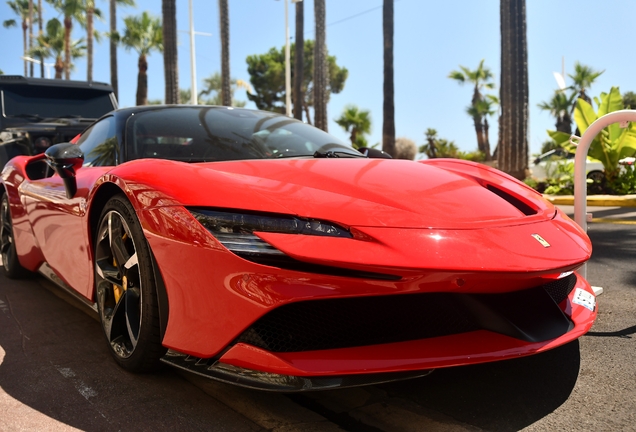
[431,39]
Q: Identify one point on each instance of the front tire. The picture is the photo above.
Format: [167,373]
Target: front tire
[125,288]
[10,264]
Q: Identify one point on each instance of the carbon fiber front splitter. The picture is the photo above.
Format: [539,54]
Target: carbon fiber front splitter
[259,380]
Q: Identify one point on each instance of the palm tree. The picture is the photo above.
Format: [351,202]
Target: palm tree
[224,16]
[512,149]
[213,85]
[560,106]
[438,147]
[143,34]
[91,12]
[388,108]
[51,44]
[584,77]
[21,9]
[482,109]
[480,78]
[72,10]
[114,82]
[170,58]
[299,61]
[320,68]
[39,11]
[31,33]
[357,122]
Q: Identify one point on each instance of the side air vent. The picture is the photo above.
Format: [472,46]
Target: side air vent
[520,205]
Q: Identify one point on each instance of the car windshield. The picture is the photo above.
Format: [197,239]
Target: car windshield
[208,134]
[39,102]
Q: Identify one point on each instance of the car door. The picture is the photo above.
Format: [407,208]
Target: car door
[60,224]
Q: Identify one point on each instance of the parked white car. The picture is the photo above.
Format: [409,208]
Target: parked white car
[546,165]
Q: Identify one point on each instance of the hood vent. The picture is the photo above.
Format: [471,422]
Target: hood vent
[516,202]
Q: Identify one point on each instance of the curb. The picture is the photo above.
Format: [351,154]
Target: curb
[595,200]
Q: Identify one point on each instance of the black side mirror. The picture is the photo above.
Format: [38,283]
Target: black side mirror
[374,153]
[65,159]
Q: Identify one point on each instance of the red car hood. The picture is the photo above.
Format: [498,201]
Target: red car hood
[352,192]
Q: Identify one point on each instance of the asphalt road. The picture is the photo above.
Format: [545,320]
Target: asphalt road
[56,374]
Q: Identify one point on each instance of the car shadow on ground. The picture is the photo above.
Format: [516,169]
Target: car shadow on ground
[56,371]
[500,396]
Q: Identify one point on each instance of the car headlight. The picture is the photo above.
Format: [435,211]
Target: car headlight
[236,230]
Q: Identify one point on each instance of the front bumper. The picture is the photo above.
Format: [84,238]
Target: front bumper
[254,367]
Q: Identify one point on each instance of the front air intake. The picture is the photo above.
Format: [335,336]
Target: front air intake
[531,315]
[513,200]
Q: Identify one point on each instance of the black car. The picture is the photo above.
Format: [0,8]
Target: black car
[37,112]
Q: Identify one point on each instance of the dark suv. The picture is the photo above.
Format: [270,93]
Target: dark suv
[37,113]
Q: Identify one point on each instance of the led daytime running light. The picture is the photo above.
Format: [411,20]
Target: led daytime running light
[236,230]
[225,222]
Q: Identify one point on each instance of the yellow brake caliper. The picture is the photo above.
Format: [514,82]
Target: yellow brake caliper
[119,290]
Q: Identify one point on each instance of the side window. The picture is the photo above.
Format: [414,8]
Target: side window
[99,144]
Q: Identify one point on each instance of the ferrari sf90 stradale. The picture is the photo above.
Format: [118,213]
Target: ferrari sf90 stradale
[255,249]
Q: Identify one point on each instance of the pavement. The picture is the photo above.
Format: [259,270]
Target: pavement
[604,208]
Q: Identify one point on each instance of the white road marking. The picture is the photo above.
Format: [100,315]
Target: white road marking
[82,388]
[66,372]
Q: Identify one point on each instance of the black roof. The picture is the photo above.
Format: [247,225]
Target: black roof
[7,80]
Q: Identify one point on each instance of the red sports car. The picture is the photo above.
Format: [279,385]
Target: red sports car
[259,250]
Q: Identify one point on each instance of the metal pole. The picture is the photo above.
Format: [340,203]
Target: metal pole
[287,66]
[48,66]
[193,66]
[580,160]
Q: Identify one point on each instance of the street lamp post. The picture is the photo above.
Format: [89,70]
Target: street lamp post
[288,110]
[47,65]
[193,71]
[193,62]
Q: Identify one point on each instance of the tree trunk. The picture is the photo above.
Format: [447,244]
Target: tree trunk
[59,67]
[68,28]
[113,49]
[307,113]
[40,34]
[320,68]
[299,61]
[487,140]
[224,15]
[171,72]
[354,136]
[89,43]
[512,148]
[142,81]
[479,132]
[30,34]
[25,29]
[388,107]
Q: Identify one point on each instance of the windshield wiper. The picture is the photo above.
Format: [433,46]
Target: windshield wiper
[31,116]
[337,154]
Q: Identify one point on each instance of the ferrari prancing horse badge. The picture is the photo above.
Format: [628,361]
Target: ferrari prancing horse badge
[541,240]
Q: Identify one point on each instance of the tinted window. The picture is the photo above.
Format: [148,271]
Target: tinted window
[55,102]
[207,134]
[99,143]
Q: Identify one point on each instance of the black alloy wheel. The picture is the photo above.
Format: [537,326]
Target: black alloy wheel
[10,265]
[125,288]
